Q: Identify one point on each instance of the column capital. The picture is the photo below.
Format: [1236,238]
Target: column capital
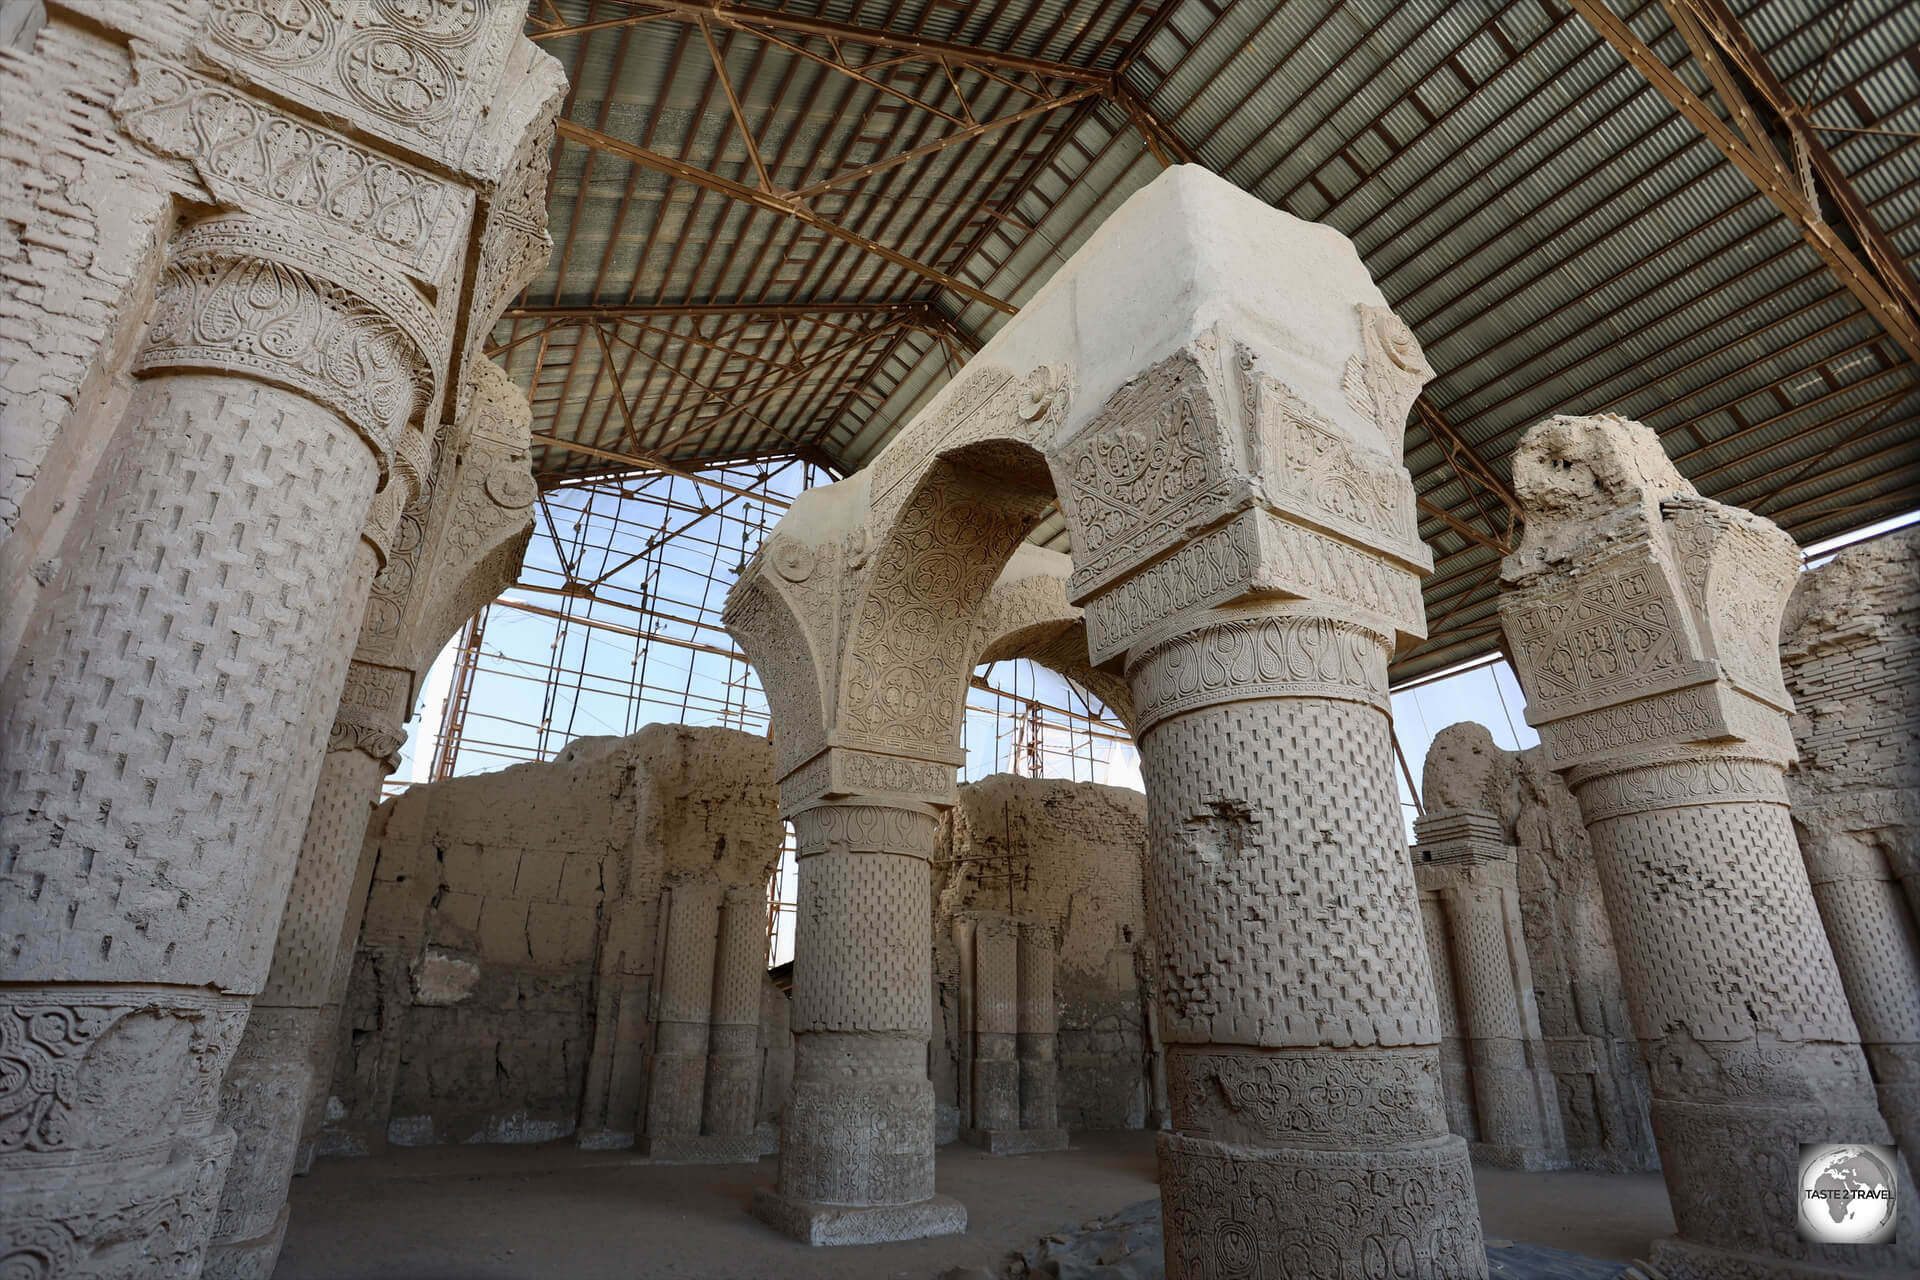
[1208,480]
[866,824]
[841,774]
[1270,651]
[1641,617]
[373,712]
[246,296]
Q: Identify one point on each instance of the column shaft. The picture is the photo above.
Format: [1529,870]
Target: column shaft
[1292,963]
[733,1046]
[857,1139]
[1877,950]
[996,1025]
[1750,1046]
[264,1096]
[1039,1031]
[150,722]
[690,922]
[1506,1087]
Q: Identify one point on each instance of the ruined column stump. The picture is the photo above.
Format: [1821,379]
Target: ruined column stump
[1012,1075]
[1642,620]
[856,1141]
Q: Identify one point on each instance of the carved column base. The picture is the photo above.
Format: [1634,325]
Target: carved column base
[856,1147]
[113,1161]
[677,1081]
[1732,1173]
[1254,1213]
[248,1259]
[858,1128]
[733,1081]
[264,1098]
[812,1222]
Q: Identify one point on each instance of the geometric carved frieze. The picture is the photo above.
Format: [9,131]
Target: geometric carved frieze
[1311,471]
[269,163]
[154,1049]
[1289,1097]
[1156,461]
[1678,784]
[1616,631]
[1254,554]
[906,830]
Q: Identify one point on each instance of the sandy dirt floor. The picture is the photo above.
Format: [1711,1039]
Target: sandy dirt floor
[554,1213]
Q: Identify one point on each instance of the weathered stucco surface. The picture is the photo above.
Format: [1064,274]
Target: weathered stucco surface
[249,255]
[504,985]
[1850,654]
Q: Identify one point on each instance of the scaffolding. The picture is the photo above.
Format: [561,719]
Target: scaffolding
[615,623]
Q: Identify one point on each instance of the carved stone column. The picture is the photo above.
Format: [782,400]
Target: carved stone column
[733,1045]
[1456,1077]
[1642,621]
[996,1028]
[268,1088]
[1039,1040]
[1463,860]
[1292,960]
[1850,656]
[856,1142]
[689,923]
[153,722]
[1877,950]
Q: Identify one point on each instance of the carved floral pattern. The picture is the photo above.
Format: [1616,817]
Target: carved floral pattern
[252,154]
[284,324]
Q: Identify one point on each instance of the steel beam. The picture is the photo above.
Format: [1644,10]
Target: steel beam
[784,206]
[1858,278]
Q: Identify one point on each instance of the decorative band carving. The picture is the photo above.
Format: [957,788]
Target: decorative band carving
[845,771]
[1716,780]
[252,156]
[1263,1098]
[1210,570]
[1266,656]
[865,828]
[177,1036]
[237,297]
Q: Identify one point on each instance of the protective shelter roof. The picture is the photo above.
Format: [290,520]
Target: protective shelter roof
[780,230]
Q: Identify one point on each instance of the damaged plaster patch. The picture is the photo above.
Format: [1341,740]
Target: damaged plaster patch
[443,978]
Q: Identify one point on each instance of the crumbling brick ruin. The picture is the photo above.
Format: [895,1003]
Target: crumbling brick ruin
[555,950]
[1064,858]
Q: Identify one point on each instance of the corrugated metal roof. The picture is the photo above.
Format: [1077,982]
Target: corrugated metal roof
[1558,235]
